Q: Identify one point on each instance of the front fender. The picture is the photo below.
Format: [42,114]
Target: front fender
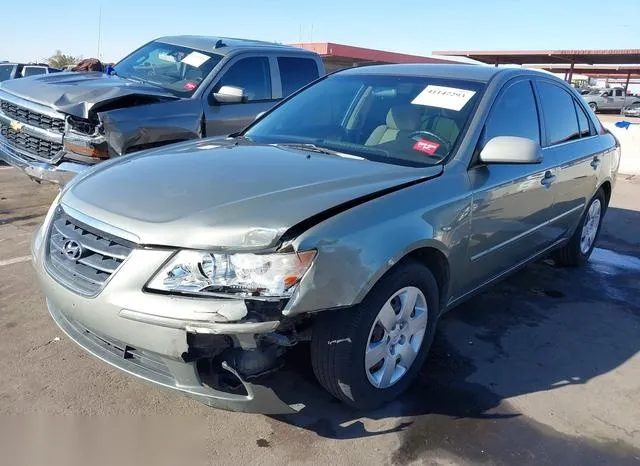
[357,247]
[152,124]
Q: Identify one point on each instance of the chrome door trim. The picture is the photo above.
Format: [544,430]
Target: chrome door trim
[525,233]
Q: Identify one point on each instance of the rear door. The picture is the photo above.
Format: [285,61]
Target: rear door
[511,203]
[569,141]
[618,98]
[256,75]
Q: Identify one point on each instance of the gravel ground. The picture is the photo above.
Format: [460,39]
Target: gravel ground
[541,369]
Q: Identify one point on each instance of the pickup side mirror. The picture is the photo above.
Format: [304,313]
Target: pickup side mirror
[229,95]
[511,150]
[605,94]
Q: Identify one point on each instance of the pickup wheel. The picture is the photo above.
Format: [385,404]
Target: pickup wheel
[577,251]
[594,106]
[368,355]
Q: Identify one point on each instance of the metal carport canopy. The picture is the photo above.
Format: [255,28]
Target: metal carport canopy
[523,57]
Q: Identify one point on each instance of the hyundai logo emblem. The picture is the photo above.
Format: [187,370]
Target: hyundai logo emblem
[72,250]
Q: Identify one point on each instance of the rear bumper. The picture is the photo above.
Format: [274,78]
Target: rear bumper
[41,171]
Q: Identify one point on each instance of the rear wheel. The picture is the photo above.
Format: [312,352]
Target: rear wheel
[577,251]
[368,355]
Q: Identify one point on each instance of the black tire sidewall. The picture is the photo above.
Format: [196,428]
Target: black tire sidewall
[354,382]
[575,242]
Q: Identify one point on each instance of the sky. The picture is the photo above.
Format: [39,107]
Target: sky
[410,26]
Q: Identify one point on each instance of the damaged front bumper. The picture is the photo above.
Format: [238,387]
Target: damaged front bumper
[172,374]
[179,343]
[40,171]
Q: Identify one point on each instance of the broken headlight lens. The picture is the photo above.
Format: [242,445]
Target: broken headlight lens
[242,275]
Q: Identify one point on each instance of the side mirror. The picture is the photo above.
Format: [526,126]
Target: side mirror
[511,150]
[605,94]
[229,95]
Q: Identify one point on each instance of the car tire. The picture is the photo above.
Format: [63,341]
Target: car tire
[594,107]
[346,341]
[578,250]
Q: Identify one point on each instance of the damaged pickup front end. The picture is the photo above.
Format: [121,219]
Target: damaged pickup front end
[56,126]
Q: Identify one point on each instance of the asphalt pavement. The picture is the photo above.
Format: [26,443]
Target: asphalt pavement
[541,369]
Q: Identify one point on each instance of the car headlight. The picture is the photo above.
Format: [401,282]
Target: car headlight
[241,275]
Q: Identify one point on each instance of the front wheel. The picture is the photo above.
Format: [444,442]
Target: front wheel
[368,355]
[577,251]
[593,106]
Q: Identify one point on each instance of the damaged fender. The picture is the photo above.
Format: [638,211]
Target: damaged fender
[164,123]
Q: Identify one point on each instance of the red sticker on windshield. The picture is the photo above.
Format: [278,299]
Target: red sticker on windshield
[190,86]
[426,146]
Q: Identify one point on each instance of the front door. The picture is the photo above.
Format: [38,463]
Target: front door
[511,203]
[253,75]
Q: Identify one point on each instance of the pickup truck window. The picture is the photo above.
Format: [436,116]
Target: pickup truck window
[252,75]
[514,114]
[33,70]
[296,73]
[559,113]
[180,70]
[5,72]
[618,92]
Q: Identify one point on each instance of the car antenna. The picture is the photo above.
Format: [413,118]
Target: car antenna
[219,44]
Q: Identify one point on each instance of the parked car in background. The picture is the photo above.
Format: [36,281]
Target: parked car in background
[632,110]
[614,98]
[352,215]
[20,70]
[169,90]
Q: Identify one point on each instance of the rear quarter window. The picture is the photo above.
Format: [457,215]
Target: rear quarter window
[296,73]
[33,70]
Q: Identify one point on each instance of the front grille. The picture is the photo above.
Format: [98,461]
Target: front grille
[32,118]
[81,257]
[30,144]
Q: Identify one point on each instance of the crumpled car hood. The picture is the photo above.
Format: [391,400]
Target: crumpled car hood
[78,93]
[213,194]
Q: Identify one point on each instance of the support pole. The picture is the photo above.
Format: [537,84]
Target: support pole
[570,73]
[626,85]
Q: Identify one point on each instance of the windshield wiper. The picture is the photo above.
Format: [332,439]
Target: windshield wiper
[312,148]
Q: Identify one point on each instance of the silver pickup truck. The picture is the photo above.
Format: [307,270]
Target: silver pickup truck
[169,90]
[609,99]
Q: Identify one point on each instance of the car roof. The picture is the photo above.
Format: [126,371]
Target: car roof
[482,73]
[225,45]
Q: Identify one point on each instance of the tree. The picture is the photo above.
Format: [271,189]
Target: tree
[60,60]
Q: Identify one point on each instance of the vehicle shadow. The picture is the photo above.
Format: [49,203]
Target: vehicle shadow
[544,328]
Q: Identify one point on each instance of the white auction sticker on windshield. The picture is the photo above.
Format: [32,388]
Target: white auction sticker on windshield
[443,97]
[196,59]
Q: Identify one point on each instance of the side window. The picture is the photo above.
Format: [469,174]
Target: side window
[251,74]
[583,121]
[296,73]
[618,92]
[33,70]
[559,113]
[514,114]
[5,72]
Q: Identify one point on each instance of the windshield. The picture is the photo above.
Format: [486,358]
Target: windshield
[178,69]
[403,120]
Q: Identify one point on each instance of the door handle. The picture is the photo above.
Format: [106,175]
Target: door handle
[595,162]
[548,179]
